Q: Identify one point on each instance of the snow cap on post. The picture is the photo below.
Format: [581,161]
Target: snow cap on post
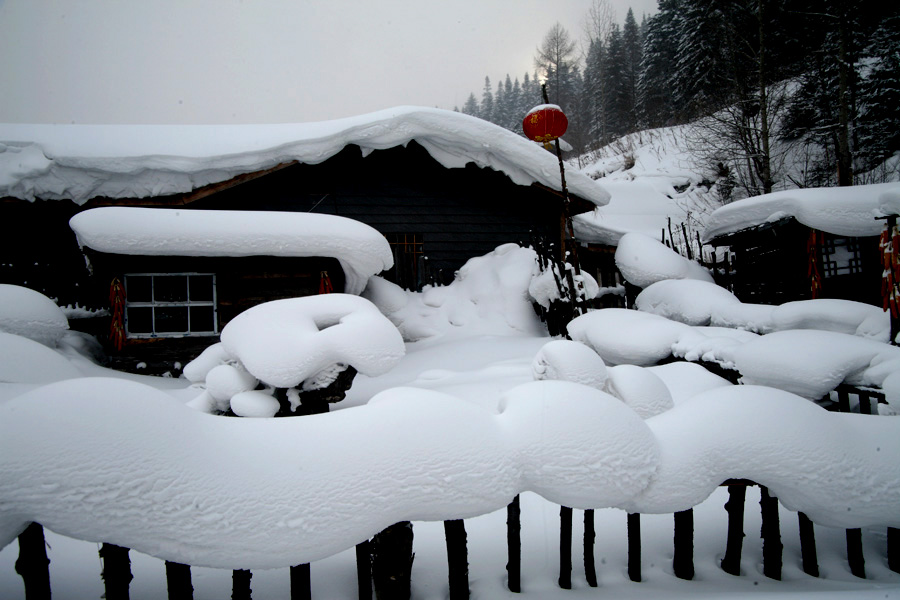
[544,123]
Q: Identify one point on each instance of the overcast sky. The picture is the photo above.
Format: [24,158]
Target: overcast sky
[263,61]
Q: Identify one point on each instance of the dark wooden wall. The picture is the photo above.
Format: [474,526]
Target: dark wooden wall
[771,266]
[459,213]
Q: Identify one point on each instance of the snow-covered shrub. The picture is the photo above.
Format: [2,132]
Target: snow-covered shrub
[31,314]
[301,344]
[569,361]
[23,360]
[644,261]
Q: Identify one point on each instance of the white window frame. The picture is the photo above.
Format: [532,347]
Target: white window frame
[153,304]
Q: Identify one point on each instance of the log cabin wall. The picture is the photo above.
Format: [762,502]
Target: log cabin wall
[771,265]
[240,283]
[454,214]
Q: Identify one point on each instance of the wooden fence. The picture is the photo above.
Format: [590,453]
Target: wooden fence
[33,564]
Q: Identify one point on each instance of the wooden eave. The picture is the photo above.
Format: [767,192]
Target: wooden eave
[577,204]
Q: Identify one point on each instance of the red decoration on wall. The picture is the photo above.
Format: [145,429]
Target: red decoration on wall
[890,262]
[545,123]
[813,247]
[117,309]
[325,286]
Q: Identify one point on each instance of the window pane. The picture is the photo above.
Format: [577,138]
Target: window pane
[202,319]
[201,288]
[137,288]
[170,288]
[171,319]
[139,319]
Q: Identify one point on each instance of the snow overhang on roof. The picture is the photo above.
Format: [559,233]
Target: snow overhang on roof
[80,162]
[361,250]
[842,211]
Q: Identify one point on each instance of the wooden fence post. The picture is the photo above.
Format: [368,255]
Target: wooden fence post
[178,581]
[634,546]
[240,584]
[771,534]
[364,569]
[855,553]
[514,545]
[33,565]
[116,571]
[392,560]
[590,571]
[301,582]
[808,545]
[731,562]
[457,559]
[683,561]
[565,547]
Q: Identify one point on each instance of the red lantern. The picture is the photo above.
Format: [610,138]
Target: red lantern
[545,123]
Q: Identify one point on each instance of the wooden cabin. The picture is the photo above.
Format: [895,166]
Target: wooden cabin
[438,194]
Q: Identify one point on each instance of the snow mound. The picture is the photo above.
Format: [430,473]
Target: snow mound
[640,389]
[839,469]
[704,303]
[284,343]
[843,211]
[570,361]
[79,162]
[266,493]
[31,314]
[644,261]
[489,296]
[23,360]
[361,250]
[290,491]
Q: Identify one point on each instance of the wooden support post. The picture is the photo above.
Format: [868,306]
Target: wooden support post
[514,545]
[590,571]
[843,400]
[565,547]
[178,581]
[865,404]
[457,559]
[683,561]
[116,571]
[392,560]
[855,556]
[808,552]
[364,570]
[771,535]
[634,546]
[240,584]
[33,565]
[301,582]
[893,549]
[731,562]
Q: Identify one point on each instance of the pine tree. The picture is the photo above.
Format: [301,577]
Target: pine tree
[879,124]
[471,106]
[487,100]
[655,80]
[631,54]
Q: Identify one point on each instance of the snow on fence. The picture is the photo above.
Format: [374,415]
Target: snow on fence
[279,492]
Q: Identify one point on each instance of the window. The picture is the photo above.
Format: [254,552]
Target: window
[840,256]
[170,305]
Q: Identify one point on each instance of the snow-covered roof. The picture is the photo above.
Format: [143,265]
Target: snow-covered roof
[80,162]
[843,211]
[361,250]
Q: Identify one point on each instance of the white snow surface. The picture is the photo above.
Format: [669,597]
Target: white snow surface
[286,342]
[289,491]
[31,314]
[843,211]
[490,295]
[643,260]
[704,303]
[361,250]
[23,360]
[79,162]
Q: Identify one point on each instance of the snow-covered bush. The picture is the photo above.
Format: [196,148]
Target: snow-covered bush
[31,314]
[644,261]
[301,344]
[491,295]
